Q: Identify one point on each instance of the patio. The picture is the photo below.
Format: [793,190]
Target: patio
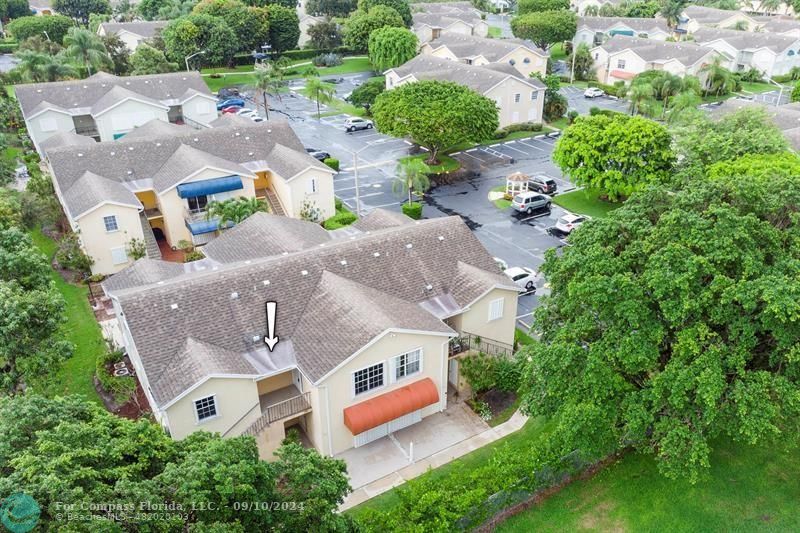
[430,436]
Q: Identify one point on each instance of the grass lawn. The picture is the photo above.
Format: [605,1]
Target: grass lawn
[557,52]
[75,375]
[758,87]
[585,202]
[11,153]
[521,440]
[447,163]
[560,123]
[501,203]
[749,489]
[495,32]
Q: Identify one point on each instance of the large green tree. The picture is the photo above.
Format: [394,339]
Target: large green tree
[234,210]
[616,154]
[673,322]
[250,24]
[331,8]
[164,9]
[545,28]
[401,6]
[86,49]
[192,33]
[325,35]
[284,28]
[537,6]
[361,24]
[79,10]
[149,60]
[12,9]
[436,115]
[54,26]
[390,47]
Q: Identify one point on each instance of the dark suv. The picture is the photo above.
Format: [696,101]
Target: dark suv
[542,184]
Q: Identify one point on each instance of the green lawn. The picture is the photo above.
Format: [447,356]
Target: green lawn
[501,203]
[75,375]
[560,123]
[758,87]
[495,32]
[521,440]
[557,52]
[749,489]
[447,163]
[585,202]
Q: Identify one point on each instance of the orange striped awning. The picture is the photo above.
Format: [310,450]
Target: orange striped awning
[622,75]
[386,407]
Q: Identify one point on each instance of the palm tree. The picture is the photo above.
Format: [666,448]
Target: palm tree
[55,68]
[234,210]
[639,94]
[85,47]
[30,64]
[719,80]
[665,86]
[672,10]
[681,103]
[412,176]
[770,6]
[267,79]
[319,91]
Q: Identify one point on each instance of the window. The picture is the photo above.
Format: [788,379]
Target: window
[516,98]
[406,364]
[312,185]
[534,95]
[621,64]
[526,60]
[48,124]
[512,62]
[111,223]
[119,256]
[496,309]
[205,408]
[197,203]
[368,378]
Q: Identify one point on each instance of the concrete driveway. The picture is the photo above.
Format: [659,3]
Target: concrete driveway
[433,434]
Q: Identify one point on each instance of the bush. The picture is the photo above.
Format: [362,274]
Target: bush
[123,387]
[194,255]
[56,27]
[332,162]
[796,93]
[479,371]
[413,210]
[367,92]
[8,48]
[502,133]
[508,374]
[71,256]
[341,219]
[751,75]
[607,112]
[572,115]
[327,60]
[612,90]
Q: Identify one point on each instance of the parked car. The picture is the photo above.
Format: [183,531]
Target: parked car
[355,124]
[593,92]
[232,110]
[528,202]
[568,223]
[523,277]
[228,102]
[228,92]
[543,184]
[321,155]
[244,111]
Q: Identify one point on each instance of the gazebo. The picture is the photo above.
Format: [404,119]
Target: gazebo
[516,183]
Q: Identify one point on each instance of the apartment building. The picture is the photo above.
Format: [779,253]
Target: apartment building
[593,31]
[132,33]
[771,54]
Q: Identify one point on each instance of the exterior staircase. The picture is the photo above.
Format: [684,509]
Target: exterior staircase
[274,203]
[151,245]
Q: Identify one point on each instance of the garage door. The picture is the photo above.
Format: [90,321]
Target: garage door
[389,427]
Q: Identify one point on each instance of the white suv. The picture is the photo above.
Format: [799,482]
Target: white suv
[355,124]
[593,92]
[522,277]
[568,223]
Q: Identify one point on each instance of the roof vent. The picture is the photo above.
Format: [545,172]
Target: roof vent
[428,287]
[250,153]
[247,262]
[304,272]
[343,262]
[269,131]
[130,148]
[409,246]
[127,83]
[234,295]
[38,90]
[376,254]
[173,306]
[285,253]
[68,88]
[441,238]
[85,86]
[247,138]
[236,134]
[196,139]
[265,282]
[256,338]
[215,268]
[112,153]
[158,144]
[80,154]
[159,283]
[130,172]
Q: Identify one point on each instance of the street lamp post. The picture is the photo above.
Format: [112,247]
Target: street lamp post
[187,58]
[355,176]
[780,93]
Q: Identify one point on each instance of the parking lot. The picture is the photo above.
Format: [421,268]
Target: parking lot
[581,104]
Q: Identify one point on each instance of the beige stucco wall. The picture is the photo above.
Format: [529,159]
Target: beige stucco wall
[605,63]
[201,109]
[125,117]
[476,319]
[97,242]
[442,52]
[294,192]
[340,384]
[480,28]
[536,62]
[36,125]
[237,408]
[512,112]
[273,383]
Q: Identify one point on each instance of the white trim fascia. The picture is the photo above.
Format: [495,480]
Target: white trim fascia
[196,172]
[200,382]
[375,340]
[127,98]
[328,170]
[521,80]
[54,109]
[195,95]
[487,291]
[101,204]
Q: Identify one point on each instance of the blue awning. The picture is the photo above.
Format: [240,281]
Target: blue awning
[212,186]
[629,33]
[203,226]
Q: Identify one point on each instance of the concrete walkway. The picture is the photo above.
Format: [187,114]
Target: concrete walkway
[436,460]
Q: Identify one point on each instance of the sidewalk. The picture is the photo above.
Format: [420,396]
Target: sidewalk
[436,460]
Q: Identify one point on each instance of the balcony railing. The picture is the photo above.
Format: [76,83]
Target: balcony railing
[279,411]
[468,342]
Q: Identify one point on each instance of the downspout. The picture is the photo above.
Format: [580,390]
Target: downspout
[328,420]
[444,372]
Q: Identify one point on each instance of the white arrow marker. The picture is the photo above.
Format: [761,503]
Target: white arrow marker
[271,339]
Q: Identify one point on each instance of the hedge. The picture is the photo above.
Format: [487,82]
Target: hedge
[339,220]
[332,162]
[8,48]
[413,210]
[612,90]
[121,387]
[246,58]
[502,133]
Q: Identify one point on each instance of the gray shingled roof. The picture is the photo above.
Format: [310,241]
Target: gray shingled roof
[65,138]
[92,189]
[118,94]
[143,28]
[379,219]
[263,235]
[746,40]
[446,7]
[143,272]
[443,20]
[154,128]
[84,94]
[479,79]
[604,24]
[709,15]
[778,24]
[288,162]
[464,46]
[658,51]
[154,160]
[784,117]
[224,305]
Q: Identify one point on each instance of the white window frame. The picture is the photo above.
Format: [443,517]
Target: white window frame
[621,64]
[492,309]
[353,379]
[394,365]
[124,253]
[534,95]
[216,414]
[517,98]
[116,223]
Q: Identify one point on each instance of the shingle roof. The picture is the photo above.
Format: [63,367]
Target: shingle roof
[709,15]
[91,190]
[657,51]
[147,161]
[778,24]
[443,20]
[784,117]
[118,94]
[154,128]
[479,79]
[224,306]
[746,40]
[446,7]
[143,28]
[604,24]
[65,138]
[288,162]
[464,46]
[263,235]
[143,271]
[379,219]
[83,94]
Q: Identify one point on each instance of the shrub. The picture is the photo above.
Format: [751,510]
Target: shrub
[71,256]
[572,115]
[479,371]
[327,60]
[508,374]
[607,112]
[502,133]
[8,48]
[413,210]
[367,92]
[194,255]
[751,75]
[123,387]
[612,90]
[796,93]
[332,162]
[339,220]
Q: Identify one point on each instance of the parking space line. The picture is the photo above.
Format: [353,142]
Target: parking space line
[512,148]
[385,205]
[367,195]
[532,146]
